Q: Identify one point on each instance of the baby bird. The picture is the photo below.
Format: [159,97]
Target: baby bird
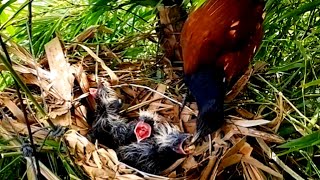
[157,153]
[146,144]
[109,128]
[113,130]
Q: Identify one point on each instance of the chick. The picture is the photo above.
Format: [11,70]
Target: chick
[157,153]
[146,144]
[110,128]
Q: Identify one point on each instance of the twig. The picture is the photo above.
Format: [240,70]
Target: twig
[152,90]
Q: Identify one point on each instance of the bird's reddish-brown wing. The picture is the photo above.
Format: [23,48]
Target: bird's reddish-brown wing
[222,34]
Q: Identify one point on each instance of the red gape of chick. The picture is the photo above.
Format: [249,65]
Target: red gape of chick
[218,42]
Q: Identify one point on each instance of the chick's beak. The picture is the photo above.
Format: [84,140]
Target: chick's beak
[93,92]
[184,146]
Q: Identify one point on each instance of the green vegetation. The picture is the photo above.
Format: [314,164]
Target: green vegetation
[286,86]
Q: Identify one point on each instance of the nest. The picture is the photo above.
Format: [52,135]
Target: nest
[61,82]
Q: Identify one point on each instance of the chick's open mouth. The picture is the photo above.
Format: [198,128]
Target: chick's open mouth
[185,146]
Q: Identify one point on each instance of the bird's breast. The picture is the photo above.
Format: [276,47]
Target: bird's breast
[223,34]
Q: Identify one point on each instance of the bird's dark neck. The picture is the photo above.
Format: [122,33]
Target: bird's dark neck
[208,88]
[205,85]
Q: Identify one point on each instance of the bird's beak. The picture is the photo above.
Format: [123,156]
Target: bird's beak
[195,138]
[182,149]
[93,92]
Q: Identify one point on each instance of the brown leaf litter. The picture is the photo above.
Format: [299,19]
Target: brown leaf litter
[65,85]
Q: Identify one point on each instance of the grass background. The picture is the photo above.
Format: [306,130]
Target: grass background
[290,53]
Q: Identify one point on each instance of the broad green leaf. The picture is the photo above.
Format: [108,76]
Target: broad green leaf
[303,142]
[286,67]
[312,83]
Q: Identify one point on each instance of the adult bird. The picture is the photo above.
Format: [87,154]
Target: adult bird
[218,41]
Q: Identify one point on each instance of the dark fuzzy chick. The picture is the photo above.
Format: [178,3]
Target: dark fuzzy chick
[109,128]
[156,153]
[152,153]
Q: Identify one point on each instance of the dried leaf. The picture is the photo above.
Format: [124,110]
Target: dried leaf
[98,173]
[128,177]
[238,86]
[235,149]
[21,128]
[253,171]
[57,112]
[83,82]
[87,33]
[113,76]
[96,159]
[207,171]
[16,111]
[113,156]
[32,79]
[190,126]
[129,91]
[276,159]
[173,166]
[232,129]
[108,161]
[161,89]
[245,113]
[47,173]
[246,149]
[261,166]
[80,119]
[173,174]
[250,123]
[185,115]
[31,169]
[140,105]
[62,79]
[169,15]
[228,161]
[78,143]
[189,163]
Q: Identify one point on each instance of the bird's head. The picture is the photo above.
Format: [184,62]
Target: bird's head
[106,98]
[170,139]
[210,118]
[180,143]
[143,128]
